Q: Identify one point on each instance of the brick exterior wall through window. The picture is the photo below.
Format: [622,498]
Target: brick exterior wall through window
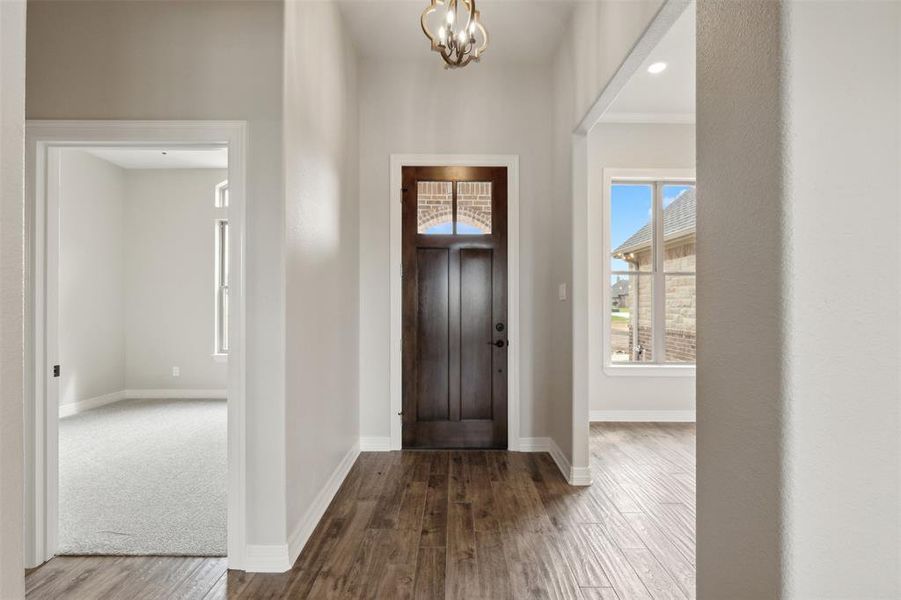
[680,340]
[434,202]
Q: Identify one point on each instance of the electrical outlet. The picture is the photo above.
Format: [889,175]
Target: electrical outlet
[176,371]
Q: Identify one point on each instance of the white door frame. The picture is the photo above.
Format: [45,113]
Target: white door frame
[511,162]
[43,139]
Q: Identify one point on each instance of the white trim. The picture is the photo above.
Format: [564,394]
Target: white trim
[272,558]
[649,370]
[73,408]
[304,529]
[80,406]
[584,323]
[649,117]
[375,444]
[642,416]
[574,475]
[535,444]
[511,162]
[176,394]
[42,138]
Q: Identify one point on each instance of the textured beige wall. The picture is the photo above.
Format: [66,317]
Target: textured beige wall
[12,198]
[799,464]
[740,385]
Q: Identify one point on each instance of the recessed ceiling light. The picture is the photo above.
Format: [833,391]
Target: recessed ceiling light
[657,67]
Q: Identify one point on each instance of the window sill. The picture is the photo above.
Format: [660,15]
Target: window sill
[650,370]
[220,358]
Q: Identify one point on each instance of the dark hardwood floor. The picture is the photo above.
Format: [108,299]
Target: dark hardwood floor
[466,525]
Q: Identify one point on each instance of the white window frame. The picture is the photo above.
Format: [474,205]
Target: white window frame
[220,288]
[647,177]
[221,199]
[220,202]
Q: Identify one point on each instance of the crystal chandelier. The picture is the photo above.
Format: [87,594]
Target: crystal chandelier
[461,37]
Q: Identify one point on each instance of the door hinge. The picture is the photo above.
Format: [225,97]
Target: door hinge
[56,370]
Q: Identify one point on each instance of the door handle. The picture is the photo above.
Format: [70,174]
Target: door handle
[499,343]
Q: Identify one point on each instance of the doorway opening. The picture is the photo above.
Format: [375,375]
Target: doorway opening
[140,374]
[635,327]
[136,319]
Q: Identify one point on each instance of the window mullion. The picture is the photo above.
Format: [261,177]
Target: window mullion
[659,321]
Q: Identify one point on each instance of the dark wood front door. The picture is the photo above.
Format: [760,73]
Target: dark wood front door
[455,307]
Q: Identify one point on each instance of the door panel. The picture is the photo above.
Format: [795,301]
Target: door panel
[475,334]
[454,307]
[432,335]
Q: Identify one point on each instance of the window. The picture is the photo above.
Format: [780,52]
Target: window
[221,273]
[447,208]
[651,292]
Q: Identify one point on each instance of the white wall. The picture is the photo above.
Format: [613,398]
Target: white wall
[91,277]
[799,464]
[12,201]
[638,146]
[169,279]
[136,278]
[322,260]
[193,60]
[406,111]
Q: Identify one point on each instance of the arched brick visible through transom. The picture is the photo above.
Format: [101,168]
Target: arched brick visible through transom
[434,200]
[474,204]
[434,204]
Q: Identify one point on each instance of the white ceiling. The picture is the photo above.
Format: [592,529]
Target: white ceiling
[520,31]
[668,96]
[163,158]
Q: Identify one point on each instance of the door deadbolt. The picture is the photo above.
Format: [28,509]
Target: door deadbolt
[499,326]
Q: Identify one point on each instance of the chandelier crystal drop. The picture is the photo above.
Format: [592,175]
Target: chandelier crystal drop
[461,38]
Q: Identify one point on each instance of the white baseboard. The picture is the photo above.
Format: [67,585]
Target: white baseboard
[213,394]
[267,559]
[73,408]
[573,475]
[375,444]
[535,444]
[304,529]
[643,416]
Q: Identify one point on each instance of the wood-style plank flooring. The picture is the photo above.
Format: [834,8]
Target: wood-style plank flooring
[463,525]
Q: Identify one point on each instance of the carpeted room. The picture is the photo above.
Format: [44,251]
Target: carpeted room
[142,351]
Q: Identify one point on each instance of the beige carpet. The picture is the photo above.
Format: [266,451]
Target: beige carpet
[144,477]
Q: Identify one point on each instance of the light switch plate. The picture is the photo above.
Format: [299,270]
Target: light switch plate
[561,291]
[176,371]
